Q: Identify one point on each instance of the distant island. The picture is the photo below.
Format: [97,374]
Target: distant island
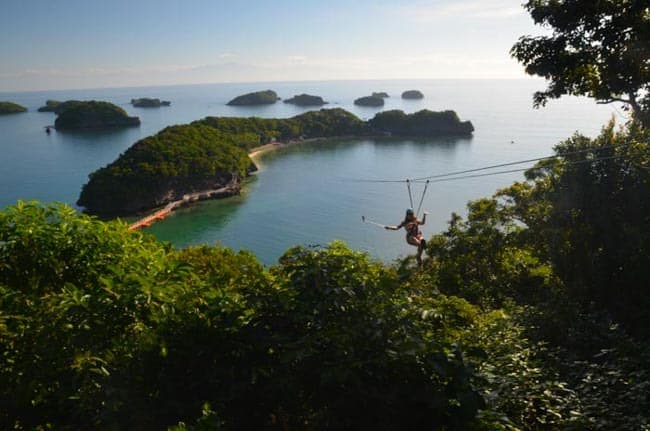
[267,97]
[412,94]
[50,106]
[11,108]
[210,157]
[306,100]
[92,115]
[373,101]
[381,94]
[145,102]
[422,123]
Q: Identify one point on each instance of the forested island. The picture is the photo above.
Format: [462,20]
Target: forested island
[11,108]
[91,115]
[381,94]
[372,101]
[145,102]
[306,100]
[50,106]
[211,154]
[266,97]
[412,94]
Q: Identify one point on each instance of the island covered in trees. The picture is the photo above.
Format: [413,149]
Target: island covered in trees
[267,97]
[212,153]
[381,94]
[373,101]
[145,102]
[412,94]
[11,108]
[50,106]
[306,100]
[91,115]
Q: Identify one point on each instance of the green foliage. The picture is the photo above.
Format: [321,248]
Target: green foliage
[74,115]
[105,328]
[257,98]
[11,108]
[421,123]
[588,214]
[175,161]
[598,49]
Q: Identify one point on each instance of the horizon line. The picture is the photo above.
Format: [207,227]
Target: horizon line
[266,82]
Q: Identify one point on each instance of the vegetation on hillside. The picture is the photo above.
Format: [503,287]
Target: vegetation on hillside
[256,98]
[11,108]
[528,315]
[77,115]
[162,168]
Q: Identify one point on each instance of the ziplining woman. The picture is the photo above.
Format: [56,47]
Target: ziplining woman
[413,234]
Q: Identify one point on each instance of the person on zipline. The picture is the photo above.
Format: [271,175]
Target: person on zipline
[413,234]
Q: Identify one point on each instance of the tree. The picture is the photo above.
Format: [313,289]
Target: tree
[598,49]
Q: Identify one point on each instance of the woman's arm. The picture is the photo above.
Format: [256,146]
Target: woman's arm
[424,218]
[398,227]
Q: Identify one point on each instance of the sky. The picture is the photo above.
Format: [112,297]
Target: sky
[66,44]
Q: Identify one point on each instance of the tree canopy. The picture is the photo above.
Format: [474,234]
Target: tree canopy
[599,49]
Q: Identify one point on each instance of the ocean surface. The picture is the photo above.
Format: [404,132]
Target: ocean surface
[305,194]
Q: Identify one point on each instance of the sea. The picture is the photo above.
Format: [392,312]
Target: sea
[313,193]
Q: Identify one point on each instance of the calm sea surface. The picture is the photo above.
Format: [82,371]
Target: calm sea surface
[303,194]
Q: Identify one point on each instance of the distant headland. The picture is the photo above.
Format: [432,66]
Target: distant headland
[11,108]
[266,97]
[210,157]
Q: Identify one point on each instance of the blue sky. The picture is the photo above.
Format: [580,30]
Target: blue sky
[86,44]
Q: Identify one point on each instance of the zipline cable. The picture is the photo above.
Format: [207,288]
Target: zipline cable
[484,168]
[408,186]
[439,180]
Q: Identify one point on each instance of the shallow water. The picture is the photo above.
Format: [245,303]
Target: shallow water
[303,194]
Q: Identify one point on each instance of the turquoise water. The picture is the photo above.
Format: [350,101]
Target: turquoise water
[303,194]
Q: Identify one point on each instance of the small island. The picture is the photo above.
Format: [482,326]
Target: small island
[50,106]
[11,108]
[208,158]
[412,94]
[306,100]
[92,115]
[267,97]
[145,102]
[381,94]
[423,123]
[373,101]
